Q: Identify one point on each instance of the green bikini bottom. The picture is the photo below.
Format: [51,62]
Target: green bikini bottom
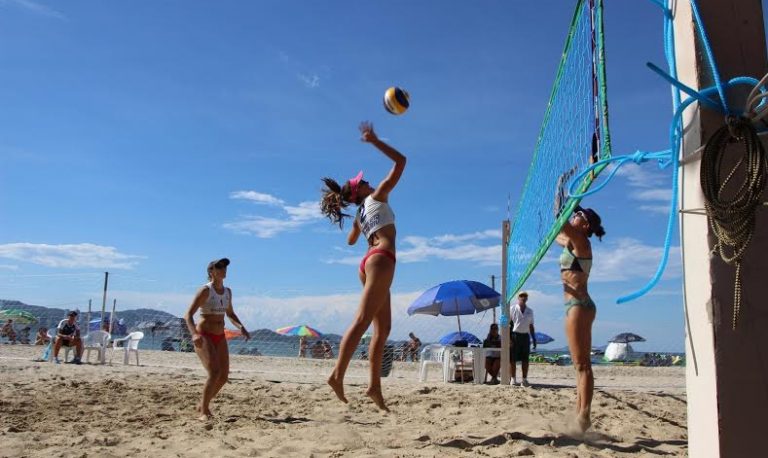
[587,303]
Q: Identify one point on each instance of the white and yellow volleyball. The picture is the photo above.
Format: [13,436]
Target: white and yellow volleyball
[396,100]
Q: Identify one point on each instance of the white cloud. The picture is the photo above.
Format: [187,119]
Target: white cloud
[257,197]
[627,258]
[267,226]
[444,247]
[82,255]
[305,211]
[311,81]
[642,176]
[663,194]
[451,238]
[8,267]
[660,209]
[262,227]
[35,7]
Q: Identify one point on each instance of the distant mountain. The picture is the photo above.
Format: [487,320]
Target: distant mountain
[50,316]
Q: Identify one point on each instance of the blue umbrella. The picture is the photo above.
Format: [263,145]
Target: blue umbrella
[454,298]
[452,337]
[542,338]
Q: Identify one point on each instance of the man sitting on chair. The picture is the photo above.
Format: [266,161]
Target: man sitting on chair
[68,334]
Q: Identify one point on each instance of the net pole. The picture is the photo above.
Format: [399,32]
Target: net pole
[493,287]
[505,335]
[104,298]
[112,317]
[88,318]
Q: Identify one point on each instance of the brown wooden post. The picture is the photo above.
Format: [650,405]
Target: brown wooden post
[726,369]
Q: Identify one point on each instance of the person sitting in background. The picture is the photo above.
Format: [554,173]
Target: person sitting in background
[327,350]
[317,350]
[121,329]
[493,359]
[303,345]
[68,334]
[413,348]
[24,335]
[42,336]
[8,331]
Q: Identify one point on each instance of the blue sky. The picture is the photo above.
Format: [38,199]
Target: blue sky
[146,138]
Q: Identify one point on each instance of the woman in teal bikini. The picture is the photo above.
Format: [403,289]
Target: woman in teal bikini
[580,310]
[376,221]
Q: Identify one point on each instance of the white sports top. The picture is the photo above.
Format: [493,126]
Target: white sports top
[216,303]
[373,215]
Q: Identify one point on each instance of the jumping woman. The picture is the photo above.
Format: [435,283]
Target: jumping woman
[376,221]
[214,300]
[580,310]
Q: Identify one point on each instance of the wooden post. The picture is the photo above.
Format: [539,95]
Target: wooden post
[88,318]
[726,369]
[505,336]
[104,299]
[112,317]
[493,287]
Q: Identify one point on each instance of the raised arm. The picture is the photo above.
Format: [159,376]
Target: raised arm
[235,320]
[390,181]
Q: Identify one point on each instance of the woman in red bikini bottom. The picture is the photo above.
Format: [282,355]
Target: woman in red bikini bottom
[214,300]
[376,221]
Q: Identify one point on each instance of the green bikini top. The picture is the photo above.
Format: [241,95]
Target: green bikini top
[569,261]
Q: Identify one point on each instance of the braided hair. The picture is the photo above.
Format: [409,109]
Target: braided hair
[335,199]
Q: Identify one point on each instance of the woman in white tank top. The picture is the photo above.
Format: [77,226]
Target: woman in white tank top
[376,221]
[214,300]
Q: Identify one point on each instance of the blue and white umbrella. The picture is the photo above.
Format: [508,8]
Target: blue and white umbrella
[454,298]
[452,337]
[542,339]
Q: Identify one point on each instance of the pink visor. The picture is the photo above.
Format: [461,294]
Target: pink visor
[353,185]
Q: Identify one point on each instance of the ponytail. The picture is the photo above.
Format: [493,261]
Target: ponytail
[335,198]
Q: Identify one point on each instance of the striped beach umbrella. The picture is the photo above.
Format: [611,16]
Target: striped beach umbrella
[299,330]
[19,316]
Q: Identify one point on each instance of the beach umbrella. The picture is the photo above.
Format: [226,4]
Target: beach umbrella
[627,337]
[18,316]
[452,337]
[542,338]
[231,333]
[299,330]
[454,298]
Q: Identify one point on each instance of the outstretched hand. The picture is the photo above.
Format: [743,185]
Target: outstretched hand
[366,132]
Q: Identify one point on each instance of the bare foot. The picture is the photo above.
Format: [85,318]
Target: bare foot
[338,388]
[205,417]
[584,421]
[378,399]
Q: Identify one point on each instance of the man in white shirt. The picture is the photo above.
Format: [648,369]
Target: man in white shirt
[521,318]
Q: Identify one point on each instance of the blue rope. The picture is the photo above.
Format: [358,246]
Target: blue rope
[670,156]
[710,56]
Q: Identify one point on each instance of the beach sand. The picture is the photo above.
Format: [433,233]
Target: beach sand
[282,407]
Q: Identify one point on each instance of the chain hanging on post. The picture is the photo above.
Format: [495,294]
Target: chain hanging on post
[731,207]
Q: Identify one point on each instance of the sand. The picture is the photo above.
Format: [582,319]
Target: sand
[282,407]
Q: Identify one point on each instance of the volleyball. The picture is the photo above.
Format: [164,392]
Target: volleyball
[396,100]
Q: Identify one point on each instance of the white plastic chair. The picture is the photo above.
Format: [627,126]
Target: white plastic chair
[52,333]
[434,355]
[130,345]
[96,341]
